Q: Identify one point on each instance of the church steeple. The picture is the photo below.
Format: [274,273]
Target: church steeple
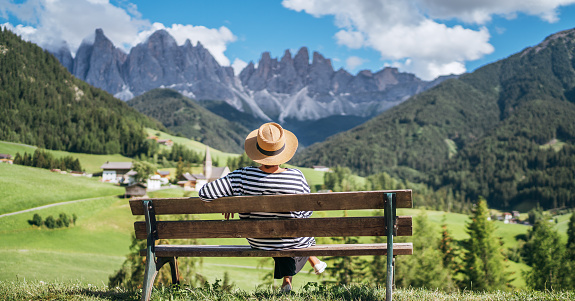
[208,164]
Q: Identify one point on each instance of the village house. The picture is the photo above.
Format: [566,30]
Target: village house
[321,168]
[192,182]
[154,182]
[164,176]
[115,172]
[6,158]
[166,142]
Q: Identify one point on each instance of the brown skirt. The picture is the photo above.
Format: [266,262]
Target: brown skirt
[288,266]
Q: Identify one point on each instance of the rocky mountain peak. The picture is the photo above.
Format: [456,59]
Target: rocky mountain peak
[98,62]
[272,89]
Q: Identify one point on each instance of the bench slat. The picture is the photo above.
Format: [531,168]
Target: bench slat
[276,203]
[297,227]
[247,251]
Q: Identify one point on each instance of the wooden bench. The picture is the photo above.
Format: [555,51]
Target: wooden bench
[389,225]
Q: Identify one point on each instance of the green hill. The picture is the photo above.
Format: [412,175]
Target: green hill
[44,105]
[483,134]
[28,187]
[184,116]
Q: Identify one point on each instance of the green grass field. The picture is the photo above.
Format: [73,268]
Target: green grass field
[91,250]
[27,187]
[96,246]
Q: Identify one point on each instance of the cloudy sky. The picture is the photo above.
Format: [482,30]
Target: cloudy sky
[425,37]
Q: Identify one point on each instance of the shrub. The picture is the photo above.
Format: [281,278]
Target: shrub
[50,222]
[36,220]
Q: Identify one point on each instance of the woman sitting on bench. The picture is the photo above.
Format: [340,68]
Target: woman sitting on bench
[270,145]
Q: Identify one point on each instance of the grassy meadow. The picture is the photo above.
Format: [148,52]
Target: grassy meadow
[25,187]
[92,249]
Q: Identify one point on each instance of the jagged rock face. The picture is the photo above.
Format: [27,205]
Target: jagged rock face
[295,89]
[99,63]
[291,88]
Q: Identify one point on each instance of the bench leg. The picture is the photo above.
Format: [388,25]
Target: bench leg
[152,269]
[149,277]
[393,275]
[174,269]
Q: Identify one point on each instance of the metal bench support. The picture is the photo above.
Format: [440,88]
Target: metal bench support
[154,265]
[390,216]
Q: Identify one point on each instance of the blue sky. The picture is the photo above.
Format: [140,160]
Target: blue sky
[425,37]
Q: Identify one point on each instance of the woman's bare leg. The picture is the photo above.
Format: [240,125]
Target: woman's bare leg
[313,260]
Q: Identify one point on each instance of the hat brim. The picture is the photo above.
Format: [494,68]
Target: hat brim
[252,151]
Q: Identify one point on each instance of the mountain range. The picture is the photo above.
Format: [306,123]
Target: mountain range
[290,90]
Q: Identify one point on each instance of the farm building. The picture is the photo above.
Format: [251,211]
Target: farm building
[115,171]
[192,181]
[135,190]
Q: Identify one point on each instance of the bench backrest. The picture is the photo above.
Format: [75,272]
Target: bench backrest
[318,227]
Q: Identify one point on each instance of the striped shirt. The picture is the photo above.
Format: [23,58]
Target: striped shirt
[253,181]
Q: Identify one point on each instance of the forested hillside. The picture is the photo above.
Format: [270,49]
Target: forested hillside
[186,117]
[505,132]
[42,104]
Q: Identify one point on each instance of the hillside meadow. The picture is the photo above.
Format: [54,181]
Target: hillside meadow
[92,249]
[25,187]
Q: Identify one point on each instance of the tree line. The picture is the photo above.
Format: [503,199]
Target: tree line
[43,159]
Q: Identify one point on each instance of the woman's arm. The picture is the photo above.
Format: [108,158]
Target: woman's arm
[217,189]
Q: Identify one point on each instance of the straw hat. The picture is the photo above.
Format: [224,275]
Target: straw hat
[271,144]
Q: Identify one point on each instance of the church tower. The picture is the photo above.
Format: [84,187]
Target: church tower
[208,164]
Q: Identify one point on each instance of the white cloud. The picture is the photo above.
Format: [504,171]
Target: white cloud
[238,66]
[352,62]
[215,40]
[481,11]
[72,21]
[51,21]
[410,31]
[351,39]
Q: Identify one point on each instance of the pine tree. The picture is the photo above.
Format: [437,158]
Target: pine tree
[570,252]
[545,255]
[347,269]
[571,237]
[425,267]
[483,262]
[448,249]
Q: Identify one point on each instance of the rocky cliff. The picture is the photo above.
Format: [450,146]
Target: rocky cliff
[291,88]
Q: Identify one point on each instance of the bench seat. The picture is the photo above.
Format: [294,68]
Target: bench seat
[247,251]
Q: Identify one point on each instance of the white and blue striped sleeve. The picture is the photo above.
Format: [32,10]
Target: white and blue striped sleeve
[219,188]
